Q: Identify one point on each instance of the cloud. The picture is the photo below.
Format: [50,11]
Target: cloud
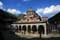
[39,10]
[1,5]
[13,11]
[52,10]
[47,11]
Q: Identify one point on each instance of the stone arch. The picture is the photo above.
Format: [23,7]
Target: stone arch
[19,27]
[24,28]
[34,29]
[29,28]
[41,29]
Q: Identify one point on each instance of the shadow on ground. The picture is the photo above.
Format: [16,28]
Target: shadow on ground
[56,38]
[12,36]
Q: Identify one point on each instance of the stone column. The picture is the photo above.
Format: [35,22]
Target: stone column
[17,28]
[21,29]
[31,28]
[45,31]
[13,26]
[26,28]
[37,28]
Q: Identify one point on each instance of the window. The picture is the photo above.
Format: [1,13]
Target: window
[31,18]
[27,19]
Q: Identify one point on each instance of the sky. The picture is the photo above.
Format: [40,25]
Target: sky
[44,8]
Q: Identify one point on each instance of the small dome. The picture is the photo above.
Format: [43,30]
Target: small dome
[30,10]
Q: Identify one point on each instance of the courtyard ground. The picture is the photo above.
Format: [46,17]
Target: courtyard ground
[37,35]
[12,36]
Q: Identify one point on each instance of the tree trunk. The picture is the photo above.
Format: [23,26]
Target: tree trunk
[40,35]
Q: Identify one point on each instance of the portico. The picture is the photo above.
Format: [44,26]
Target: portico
[30,27]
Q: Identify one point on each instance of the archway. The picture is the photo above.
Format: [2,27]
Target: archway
[17,28]
[29,29]
[41,29]
[34,29]
[20,28]
[24,28]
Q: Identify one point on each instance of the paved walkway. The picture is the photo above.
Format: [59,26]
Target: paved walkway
[37,35]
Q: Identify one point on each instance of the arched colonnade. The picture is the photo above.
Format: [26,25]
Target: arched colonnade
[31,28]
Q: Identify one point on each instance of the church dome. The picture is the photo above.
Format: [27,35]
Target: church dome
[30,10]
[32,13]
